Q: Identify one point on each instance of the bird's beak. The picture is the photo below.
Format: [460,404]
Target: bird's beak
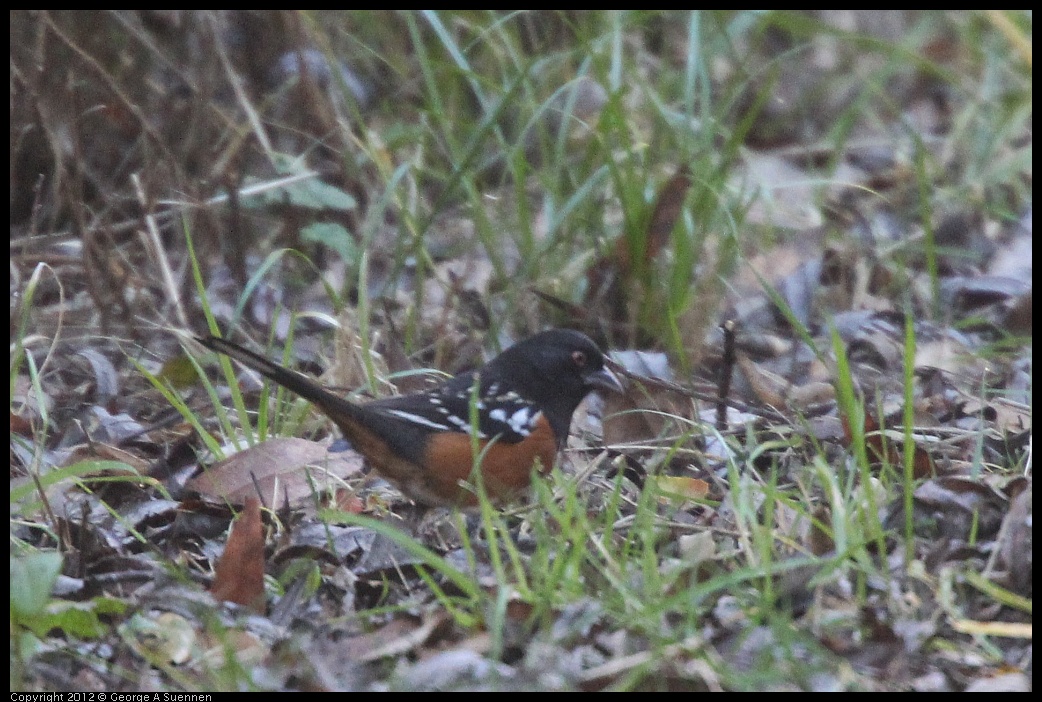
[604,379]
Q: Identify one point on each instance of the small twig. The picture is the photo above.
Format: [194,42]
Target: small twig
[153,244]
[244,100]
[704,396]
[726,374]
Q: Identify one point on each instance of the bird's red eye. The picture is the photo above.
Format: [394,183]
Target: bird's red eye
[579,359]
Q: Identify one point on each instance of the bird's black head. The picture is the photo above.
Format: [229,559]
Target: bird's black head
[555,369]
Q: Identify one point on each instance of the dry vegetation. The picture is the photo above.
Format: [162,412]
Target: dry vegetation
[830,491]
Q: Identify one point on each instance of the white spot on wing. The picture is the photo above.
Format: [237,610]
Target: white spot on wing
[523,420]
[520,422]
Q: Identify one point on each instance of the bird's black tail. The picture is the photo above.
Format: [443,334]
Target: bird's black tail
[291,380]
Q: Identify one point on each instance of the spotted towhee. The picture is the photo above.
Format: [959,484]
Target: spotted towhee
[524,402]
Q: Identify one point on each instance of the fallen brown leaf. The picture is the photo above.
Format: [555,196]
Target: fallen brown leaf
[239,575]
[282,468]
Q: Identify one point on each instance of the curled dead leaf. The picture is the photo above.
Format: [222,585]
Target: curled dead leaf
[239,575]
